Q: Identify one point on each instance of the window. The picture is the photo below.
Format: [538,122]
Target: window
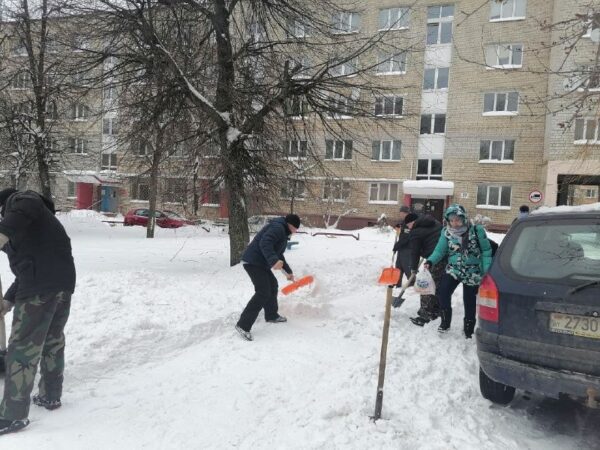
[71,189]
[393,19]
[501,102]
[383,193]
[110,92]
[345,69]
[497,150]
[586,131]
[174,190]
[391,64]
[582,78]
[508,10]
[140,189]
[211,195]
[342,106]
[292,189]
[110,126]
[51,110]
[504,56]
[109,161]
[433,123]
[436,78]
[24,108]
[256,32]
[493,196]
[78,145]
[297,29]
[439,24]
[336,190]
[295,149]
[386,150]
[301,67]
[296,106]
[177,150]
[338,150]
[79,112]
[389,105]
[590,193]
[22,80]
[429,169]
[19,49]
[345,22]
[142,148]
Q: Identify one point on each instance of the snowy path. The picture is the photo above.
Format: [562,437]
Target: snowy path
[154,362]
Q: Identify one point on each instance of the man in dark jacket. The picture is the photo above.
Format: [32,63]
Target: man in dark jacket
[39,253]
[423,237]
[401,247]
[264,254]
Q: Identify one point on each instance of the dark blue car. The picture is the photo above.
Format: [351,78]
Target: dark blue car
[539,310]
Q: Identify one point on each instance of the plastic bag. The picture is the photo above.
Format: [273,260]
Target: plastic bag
[424,283]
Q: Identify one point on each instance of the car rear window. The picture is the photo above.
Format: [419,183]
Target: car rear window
[556,250]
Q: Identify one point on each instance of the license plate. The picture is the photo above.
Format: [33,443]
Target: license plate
[575,325]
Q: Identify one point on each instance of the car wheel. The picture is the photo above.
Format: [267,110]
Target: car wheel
[495,392]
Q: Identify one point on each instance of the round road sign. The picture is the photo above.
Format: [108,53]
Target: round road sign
[536,196]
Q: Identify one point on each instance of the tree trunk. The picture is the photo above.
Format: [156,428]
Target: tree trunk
[43,169]
[239,235]
[154,177]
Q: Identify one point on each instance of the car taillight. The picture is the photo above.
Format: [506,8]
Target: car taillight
[487,300]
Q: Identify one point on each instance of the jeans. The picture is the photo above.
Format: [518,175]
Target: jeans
[265,296]
[447,288]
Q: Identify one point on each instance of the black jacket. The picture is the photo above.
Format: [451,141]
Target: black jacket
[268,245]
[39,250]
[423,238]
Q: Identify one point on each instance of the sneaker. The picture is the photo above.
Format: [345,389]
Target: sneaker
[419,321]
[10,426]
[48,404]
[278,319]
[243,333]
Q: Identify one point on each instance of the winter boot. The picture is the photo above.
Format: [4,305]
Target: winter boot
[48,404]
[243,333]
[446,320]
[278,319]
[469,327]
[419,321]
[10,426]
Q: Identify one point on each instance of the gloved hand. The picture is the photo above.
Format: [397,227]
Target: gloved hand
[6,306]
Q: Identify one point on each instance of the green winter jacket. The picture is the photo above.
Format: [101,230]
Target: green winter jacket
[469,258]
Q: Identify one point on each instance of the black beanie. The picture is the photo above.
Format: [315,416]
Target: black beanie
[5,193]
[293,220]
[411,217]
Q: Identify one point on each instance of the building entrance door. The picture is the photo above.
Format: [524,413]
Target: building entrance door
[434,207]
[110,202]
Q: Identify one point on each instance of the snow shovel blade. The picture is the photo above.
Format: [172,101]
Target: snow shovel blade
[304,281]
[389,276]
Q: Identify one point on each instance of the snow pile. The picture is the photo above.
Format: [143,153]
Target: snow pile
[153,361]
[567,209]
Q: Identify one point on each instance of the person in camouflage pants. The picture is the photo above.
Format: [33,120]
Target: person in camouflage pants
[40,257]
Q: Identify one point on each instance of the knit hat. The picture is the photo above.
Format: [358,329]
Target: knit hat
[410,217]
[5,193]
[293,220]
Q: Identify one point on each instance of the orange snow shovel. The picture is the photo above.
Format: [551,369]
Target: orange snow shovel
[300,282]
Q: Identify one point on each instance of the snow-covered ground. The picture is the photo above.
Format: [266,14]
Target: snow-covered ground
[153,361]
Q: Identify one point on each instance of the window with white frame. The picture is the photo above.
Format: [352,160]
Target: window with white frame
[177,150]
[439,24]
[499,150]
[51,110]
[582,78]
[504,56]
[389,105]
[345,69]
[80,112]
[142,148]
[587,130]
[429,169]
[338,150]
[590,193]
[495,196]
[508,10]
[297,29]
[78,145]
[393,19]
[384,193]
[292,189]
[296,106]
[21,80]
[435,78]
[256,32]
[345,22]
[211,194]
[110,126]
[495,103]
[109,161]
[110,92]
[140,189]
[342,106]
[174,190]
[388,150]
[433,123]
[71,189]
[336,190]
[295,149]
[391,63]
[301,66]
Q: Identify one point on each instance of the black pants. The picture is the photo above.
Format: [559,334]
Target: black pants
[265,296]
[447,288]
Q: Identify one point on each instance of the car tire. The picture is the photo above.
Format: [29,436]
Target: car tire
[495,392]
